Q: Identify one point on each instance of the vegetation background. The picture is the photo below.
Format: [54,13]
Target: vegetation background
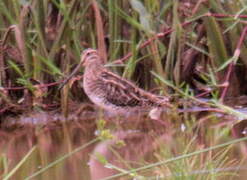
[193,51]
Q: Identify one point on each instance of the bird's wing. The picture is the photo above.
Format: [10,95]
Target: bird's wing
[123,93]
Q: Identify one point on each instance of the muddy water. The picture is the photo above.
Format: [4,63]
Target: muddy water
[134,141]
[55,136]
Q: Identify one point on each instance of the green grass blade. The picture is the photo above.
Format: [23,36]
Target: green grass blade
[177,158]
[24,159]
[62,158]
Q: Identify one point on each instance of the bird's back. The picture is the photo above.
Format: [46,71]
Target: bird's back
[114,93]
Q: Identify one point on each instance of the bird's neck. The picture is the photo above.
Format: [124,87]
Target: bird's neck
[94,67]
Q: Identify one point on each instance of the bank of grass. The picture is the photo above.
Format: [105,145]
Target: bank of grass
[41,42]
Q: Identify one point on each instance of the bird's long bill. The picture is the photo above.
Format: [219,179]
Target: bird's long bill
[72,74]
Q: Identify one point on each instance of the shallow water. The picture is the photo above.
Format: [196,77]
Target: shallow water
[55,136]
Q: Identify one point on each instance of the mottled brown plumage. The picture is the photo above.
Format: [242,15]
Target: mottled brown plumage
[112,92]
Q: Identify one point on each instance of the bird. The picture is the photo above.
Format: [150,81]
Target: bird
[112,92]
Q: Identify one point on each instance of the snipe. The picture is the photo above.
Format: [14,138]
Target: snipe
[112,92]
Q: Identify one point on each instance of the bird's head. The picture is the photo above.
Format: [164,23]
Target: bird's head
[89,56]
